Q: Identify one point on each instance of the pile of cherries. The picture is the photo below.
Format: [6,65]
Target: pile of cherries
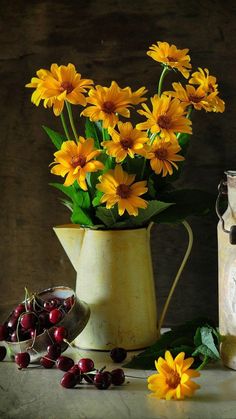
[84,370]
[30,319]
[33,317]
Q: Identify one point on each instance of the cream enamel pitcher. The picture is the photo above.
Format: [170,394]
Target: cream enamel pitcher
[115,278]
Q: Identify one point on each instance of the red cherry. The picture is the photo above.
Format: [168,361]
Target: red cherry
[44,322]
[64,363]
[117,377]
[86,365]
[69,380]
[102,380]
[68,303]
[3,332]
[12,323]
[22,359]
[55,316]
[76,370]
[19,310]
[118,354]
[46,362]
[60,333]
[54,351]
[3,352]
[28,321]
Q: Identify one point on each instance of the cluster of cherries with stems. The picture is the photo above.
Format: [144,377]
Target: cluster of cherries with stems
[33,317]
[75,373]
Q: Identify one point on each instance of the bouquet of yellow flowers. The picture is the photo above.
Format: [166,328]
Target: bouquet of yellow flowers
[119,175]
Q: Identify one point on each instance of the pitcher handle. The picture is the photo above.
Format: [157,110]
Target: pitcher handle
[186,256]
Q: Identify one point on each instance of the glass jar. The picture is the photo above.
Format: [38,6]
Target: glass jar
[227,271]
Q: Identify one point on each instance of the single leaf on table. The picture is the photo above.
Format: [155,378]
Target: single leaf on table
[205,343]
[179,337]
[56,138]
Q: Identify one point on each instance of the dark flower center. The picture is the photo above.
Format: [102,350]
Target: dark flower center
[211,88]
[195,98]
[161,153]
[173,379]
[126,143]
[124,191]
[164,121]
[108,107]
[171,59]
[66,85]
[78,161]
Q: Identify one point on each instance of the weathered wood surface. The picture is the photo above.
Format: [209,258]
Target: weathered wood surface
[107,40]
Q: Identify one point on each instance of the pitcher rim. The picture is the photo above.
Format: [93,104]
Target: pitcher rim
[70,225]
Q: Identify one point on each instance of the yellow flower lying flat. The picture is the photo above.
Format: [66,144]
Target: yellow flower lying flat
[118,188]
[173,380]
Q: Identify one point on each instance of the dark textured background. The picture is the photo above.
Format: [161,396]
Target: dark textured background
[107,40]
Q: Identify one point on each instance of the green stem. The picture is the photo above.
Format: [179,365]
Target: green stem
[152,138]
[186,256]
[63,121]
[189,112]
[143,168]
[103,134]
[162,76]
[69,110]
[204,362]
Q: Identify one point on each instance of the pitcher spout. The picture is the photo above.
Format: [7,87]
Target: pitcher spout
[71,238]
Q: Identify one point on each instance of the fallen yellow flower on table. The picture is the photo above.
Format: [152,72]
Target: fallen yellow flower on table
[173,380]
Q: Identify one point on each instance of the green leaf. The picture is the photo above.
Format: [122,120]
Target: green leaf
[91,131]
[180,338]
[56,138]
[188,202]
[80,216]
[205,343]
[96,200]
[153,208]
[77,195]
[107,216]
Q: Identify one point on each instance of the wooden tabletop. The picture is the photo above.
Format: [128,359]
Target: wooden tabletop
[36,393]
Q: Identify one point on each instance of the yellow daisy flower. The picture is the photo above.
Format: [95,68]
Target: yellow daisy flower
[118,188]
[173,380]
[35,84]
[127,141]
[59,84]
[108,102]
[167,117]
[75,160]
[205,80]
[171,56]
[209,85]
[190,95]
[162,155]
